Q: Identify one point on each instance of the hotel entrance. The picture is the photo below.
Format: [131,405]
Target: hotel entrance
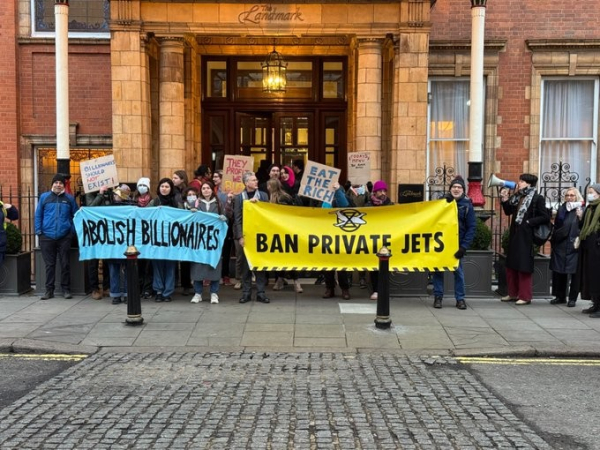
[307,121]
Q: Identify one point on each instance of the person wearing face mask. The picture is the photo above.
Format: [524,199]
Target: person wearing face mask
[142,198]
[466,233]
[55,229]
[589,250]
[527,209]
[208,202]
[378,198]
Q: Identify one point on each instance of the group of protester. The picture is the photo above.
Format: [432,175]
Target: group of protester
[575,240]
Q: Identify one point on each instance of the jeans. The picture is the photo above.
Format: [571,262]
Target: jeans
[199,285]
[164,276]
[118,278]
[51,248]
[459,283]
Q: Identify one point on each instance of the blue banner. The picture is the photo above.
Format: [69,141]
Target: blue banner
[105,232]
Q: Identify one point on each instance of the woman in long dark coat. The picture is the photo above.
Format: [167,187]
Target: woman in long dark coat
[564,255]
[527,210]
[589,251]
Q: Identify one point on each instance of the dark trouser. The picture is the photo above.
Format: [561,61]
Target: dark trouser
[145,275]
[94,278]
[261,279]
[342,280]
[226,255]
[51,248]
[184,270]
[560,282]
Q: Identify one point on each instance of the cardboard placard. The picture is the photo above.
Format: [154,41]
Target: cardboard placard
[318,181]
[359,168]
[234,166]
[98,172]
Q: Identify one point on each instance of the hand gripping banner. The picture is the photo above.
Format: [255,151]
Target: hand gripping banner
[105,232]
[421,236]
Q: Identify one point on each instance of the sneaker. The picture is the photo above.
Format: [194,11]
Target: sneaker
[116,300]
[508,298]
[571,303]
[226,281]
[374,296]
[262,299]
[437,302]
[298,287]
[278,284]
[214,298]
[158,298]
[97,295]
[460,304]
[197,298]
[523,302]
[238,285]
[67,294]
[48,294]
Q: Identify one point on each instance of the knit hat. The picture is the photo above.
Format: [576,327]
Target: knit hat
[59,177]
[144,182]
[458,180]
[529,178]
[380,186]
[596,187]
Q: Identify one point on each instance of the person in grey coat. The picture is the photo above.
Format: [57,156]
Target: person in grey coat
[564,255]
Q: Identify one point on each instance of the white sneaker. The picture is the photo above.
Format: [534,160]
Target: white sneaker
[374,296]
[298,287]
[238,285]
[214,298]
[197,298]
[278,284]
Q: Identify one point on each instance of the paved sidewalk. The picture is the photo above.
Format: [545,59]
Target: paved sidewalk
[297,323]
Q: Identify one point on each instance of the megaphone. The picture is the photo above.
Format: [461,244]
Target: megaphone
[495,181]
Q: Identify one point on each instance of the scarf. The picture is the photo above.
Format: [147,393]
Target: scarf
[143,200]
[378,201]
[591,221]
[167,200]
[527,193]
[206,204]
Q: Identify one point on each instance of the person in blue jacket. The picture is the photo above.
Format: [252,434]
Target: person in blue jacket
[466,233]
[55,229]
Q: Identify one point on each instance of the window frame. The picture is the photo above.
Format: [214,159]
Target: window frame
[72,34]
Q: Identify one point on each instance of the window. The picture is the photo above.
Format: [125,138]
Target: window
[568,132]
[449,125]
[87,18]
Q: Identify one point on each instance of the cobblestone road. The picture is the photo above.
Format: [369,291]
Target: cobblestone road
[263,401]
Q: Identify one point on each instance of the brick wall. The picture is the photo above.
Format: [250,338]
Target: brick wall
[516,21]
[8,96]
[89,89]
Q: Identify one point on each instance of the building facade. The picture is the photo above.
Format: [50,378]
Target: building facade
[166,85]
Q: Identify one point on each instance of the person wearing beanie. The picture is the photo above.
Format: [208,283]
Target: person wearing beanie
[142,196]
[466,233]
[54,226]
[589,251]
[378,198]
[527,209]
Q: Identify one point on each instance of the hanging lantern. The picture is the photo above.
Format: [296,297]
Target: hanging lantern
[274,70]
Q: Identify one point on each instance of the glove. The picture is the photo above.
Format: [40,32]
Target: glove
[460,253]
[222,217]
[449,198]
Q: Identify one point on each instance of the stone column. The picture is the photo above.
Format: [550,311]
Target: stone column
[171,107]
[368,102]
[409,109]
[131,105]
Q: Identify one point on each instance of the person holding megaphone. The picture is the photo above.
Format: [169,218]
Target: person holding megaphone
[527,210]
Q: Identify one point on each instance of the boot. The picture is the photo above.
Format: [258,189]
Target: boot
[594,308]
[557,301]
[437,302]
[298,287]
[345,294]
[329,293]
[595,314]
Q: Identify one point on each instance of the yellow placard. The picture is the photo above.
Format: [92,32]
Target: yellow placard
[421,236]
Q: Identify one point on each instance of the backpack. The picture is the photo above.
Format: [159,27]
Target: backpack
[543,232]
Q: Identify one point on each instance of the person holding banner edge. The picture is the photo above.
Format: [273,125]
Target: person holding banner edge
[466,233]
[252,194]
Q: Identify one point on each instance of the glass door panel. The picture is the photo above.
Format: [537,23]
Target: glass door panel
[295,137]
[255,136]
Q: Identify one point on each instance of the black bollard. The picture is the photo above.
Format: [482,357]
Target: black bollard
[134,305]
[383,320]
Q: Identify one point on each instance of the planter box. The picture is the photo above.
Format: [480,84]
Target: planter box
[408,284]
[78,269]
[478,269]
[15,274]
[542,276]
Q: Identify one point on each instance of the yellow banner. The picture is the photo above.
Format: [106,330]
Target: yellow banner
[421,236]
